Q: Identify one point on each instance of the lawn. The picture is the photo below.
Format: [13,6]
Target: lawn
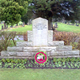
[39,74]
[22,29]
[61,27]
[68,28]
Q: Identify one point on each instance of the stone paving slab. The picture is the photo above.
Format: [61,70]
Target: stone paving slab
[24,44]
[4,53]
[72,53]
[56,43]
[38,48]
[24,54]
[57,53]
[14,49]
[12,53]
[64,48]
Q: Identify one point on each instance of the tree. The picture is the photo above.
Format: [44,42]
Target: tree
[28,13]
[26,17]
[11,11]
[55,9]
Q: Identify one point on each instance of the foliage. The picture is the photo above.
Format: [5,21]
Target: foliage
[11,11]
[62,63]
[25,36]
[55,9]
[27,16]
[7,40]
[74,45]
[67,37]
[78,45]
[28,13]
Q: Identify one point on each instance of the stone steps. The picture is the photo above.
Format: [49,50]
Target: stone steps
[25,49]
[29,49]
[56,43]
[29,44]
[51,57]
[64,48]
[65,53]
[15,49]
[72,53]
[24,44]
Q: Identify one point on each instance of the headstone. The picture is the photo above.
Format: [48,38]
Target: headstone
[29,22]
[2,28]
[40,32]
[56,26]
[23,24]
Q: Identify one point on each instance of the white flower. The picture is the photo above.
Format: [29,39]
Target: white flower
[40,57]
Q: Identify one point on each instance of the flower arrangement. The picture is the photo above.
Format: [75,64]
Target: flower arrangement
[41,57]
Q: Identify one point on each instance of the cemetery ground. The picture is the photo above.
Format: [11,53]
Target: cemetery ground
[39,74]
[61,27]
[57,71]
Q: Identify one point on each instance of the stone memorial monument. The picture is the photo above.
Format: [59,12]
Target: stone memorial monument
[40,38]
[40,32]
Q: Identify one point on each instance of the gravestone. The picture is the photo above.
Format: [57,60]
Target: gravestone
[40,32]
[2,27]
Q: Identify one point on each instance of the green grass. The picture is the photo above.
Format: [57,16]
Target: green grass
[22,29]
[39,74]
[68,28]
[61,27]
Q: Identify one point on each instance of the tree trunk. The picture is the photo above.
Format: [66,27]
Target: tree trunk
[50,25]
[4,25]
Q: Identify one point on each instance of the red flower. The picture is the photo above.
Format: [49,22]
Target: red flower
[40,59]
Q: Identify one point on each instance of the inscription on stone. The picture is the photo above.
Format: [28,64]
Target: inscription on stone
[40,26]
[40,32]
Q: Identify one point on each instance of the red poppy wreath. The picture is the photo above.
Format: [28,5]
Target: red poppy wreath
[41,57]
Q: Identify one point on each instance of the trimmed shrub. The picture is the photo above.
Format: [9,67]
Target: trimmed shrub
[74,45]
[78,45]
[67,37]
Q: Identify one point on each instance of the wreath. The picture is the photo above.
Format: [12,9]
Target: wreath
[41,57]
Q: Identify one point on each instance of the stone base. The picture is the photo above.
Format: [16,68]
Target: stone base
[54,49]
[29,44]
[49,57]
[57,54]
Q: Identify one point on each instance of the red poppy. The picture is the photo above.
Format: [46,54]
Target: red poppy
[40,59]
